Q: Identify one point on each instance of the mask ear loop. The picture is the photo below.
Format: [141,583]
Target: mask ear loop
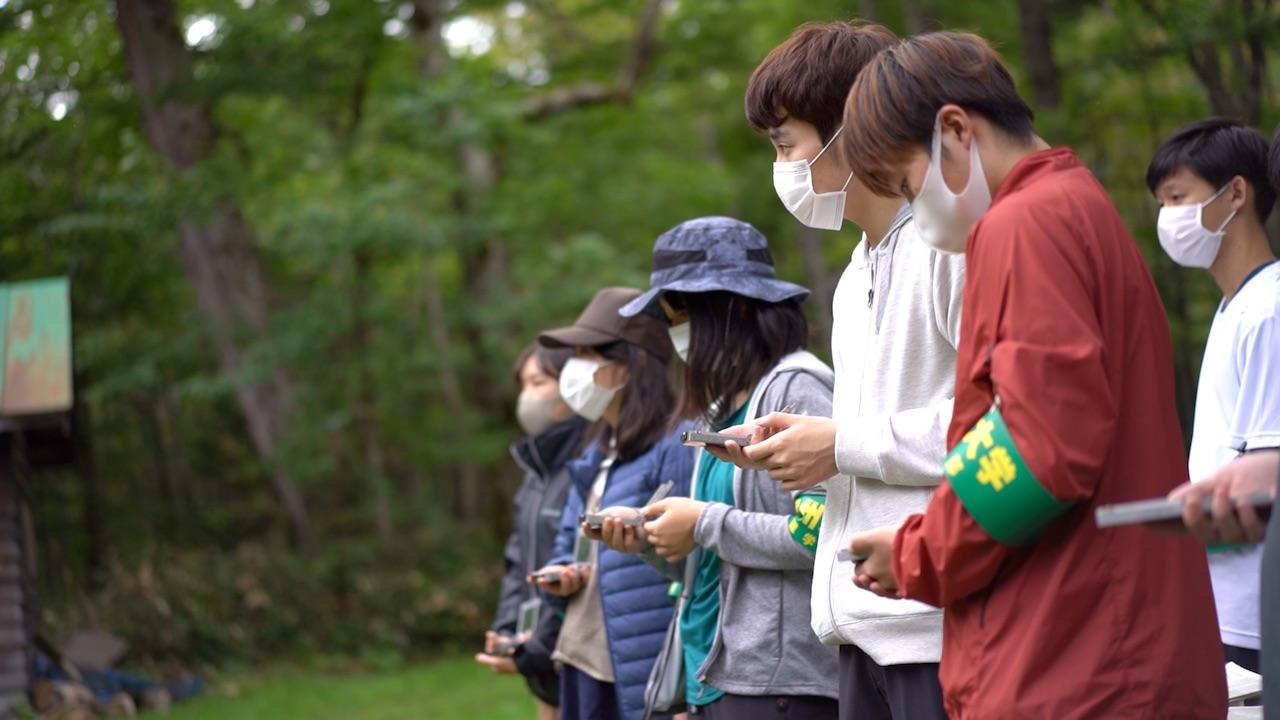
[824,147]
[935,160]
[824,150]
[1217,195]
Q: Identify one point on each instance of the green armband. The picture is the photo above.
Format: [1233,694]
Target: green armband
[807,520]
[995,485]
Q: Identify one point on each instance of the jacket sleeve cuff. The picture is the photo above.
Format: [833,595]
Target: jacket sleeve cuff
[905,573]
[858,446]
[706,532]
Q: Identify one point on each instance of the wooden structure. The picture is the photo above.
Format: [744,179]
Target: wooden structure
[36,399]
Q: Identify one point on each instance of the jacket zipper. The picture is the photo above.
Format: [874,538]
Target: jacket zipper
[871,291]
[986,597]
[533,520]
[844,527]
[853,495]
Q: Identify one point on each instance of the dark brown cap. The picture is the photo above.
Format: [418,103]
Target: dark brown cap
[600,324]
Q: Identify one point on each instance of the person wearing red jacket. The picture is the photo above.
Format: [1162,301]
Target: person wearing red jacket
[1064,400]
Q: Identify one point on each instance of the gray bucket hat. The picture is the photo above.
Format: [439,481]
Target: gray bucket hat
[713,253]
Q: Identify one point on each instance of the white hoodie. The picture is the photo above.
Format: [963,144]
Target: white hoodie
[896,325]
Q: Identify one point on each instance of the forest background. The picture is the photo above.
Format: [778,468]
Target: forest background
[307,238]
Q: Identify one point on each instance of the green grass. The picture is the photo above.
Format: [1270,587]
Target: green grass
[454,687]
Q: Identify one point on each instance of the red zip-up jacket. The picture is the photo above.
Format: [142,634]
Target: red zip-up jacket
[1062,320]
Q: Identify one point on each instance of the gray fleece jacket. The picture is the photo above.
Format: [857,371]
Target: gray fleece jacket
[764,644]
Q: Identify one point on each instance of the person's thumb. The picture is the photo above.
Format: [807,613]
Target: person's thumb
[860,544]
[652,511]
[762,449]
[772,423]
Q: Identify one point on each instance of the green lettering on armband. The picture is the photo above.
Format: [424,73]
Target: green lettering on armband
[805,523]
[995,485]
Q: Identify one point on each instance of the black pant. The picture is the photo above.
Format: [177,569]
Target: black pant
[582,697]
[1247,658]
[768,707]
[893,692]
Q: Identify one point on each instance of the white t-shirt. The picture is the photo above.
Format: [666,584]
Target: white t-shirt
[1238,409]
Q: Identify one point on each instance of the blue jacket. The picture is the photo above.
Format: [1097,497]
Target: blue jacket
[637,608]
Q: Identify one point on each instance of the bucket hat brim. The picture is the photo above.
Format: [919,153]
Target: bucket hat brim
[769,290]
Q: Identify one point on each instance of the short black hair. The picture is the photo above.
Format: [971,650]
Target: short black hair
[1217,149]
[734,341]
[1273,162]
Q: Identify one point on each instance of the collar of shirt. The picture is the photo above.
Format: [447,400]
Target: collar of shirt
[861,256]
[1034,166]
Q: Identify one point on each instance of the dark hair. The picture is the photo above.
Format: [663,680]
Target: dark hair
[808,76]
[1273,161]
[646,401]
[734,341]
[1217,149]
[895,100]
[550,360]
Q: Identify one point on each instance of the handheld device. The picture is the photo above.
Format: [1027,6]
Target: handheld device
[548,576]
[846,555]
[505,646]
[1159,511]
[702,438]
[595,521]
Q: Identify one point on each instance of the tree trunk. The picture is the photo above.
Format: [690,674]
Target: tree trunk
[1234,92]
[1037,46]
[147,409]
[466,485]
[374,466]
[484,261]
[819,280]
[482,270]
[91,491]
[216,246]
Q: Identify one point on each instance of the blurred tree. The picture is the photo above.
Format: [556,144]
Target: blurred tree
[308,237]
[1225,43]
[217,244]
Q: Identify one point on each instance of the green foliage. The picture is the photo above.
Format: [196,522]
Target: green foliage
[417,226]
[212,608]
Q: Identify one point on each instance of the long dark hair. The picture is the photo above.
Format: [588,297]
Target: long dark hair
[734,341]
[647,400]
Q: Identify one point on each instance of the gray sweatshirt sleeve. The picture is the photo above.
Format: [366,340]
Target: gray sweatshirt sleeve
[763,540]
[907,447]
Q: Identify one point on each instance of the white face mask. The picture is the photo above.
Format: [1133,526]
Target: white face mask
[579,389]
[793,181]
[680,337]
[534,413]
[1185,238]
[943,217]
